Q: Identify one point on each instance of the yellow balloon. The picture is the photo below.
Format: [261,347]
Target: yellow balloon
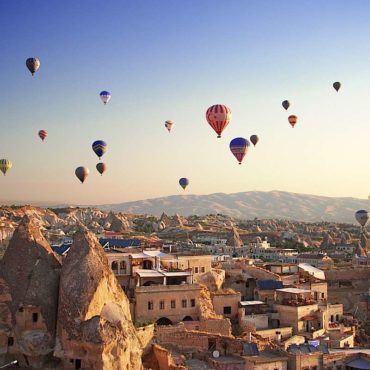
[5,165]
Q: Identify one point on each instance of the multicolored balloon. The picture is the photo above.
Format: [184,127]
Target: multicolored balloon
[285,104]
[362,217]
[33,64]
[105,96]
[99,147]
[218,116]
[168,124]
[5,165]
[254,139]
[184,182]
[292,120]
[43,134]
[337,86]
[101,167]
[82,173]
[239,147]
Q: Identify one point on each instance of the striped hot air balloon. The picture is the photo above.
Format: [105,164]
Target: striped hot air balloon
[99,147]
[43,134]
[218,116]
[5,165]
[239,147]
[168,124]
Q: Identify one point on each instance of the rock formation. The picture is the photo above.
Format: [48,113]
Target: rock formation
[213,279]
[234,239]
[29,280]
[94,329]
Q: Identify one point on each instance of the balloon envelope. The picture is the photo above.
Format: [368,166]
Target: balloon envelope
[285,104]
[82,173]
[168,124]
[43,134]
[239,147]
[101,167]
[218,116]
[292,120]
[99,147]
[337,85]
[184,182]
[5,165]
[362,217]
[254,139]
[105,96]
[33,64]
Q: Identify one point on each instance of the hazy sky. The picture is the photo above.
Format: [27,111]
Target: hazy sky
[172,60]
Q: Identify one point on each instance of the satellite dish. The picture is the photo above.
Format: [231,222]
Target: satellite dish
[216,354]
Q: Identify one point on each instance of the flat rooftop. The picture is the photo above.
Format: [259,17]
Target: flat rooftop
[293,290]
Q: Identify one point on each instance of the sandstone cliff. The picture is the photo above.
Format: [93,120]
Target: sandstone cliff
[94,321]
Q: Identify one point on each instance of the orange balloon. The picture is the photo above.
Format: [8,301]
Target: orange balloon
[292,120]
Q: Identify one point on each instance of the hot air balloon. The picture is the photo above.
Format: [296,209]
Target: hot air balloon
[105,96]
[292,120]
[218,116]
[239,147]
[337,85]
[285,104]
[99,147]
[43,134]
[168,124]
[184,182]
[33,64]
[362,217]
[368,197]
[101,167]
[254,139]
[82,173]
[5,165]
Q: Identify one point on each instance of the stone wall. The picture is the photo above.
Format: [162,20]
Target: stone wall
[145,335]
[271,333]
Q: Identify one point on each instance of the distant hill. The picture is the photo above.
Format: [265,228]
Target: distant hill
[247,205]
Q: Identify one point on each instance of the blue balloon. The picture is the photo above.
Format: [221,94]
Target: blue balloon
[239,147]
[184,182]
[99,147]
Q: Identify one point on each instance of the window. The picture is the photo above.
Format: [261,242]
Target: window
[114,266]
[122,265]
[196,270]
[192,302]
[336,317]
[35,317]
[202,269]
[150,305]
[173,304]
[161,305]
[332,318]
[227,310]
[10,341]
[322,295]
[184,303]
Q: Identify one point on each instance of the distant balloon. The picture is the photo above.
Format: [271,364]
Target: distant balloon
[82,173]
[99,147]
[218,116]
[184,182]
[5,165]
[362,217]
[337,85]
[33,64]
[254,139]
[168,124]
[285,104]
[292,120]
[368,197]
[101,167]
[239,147]
[105,96]
[43,134]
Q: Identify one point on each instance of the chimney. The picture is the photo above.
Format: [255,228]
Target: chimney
[278,336]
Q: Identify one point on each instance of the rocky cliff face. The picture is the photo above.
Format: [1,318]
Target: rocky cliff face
[94,321]
[29,280]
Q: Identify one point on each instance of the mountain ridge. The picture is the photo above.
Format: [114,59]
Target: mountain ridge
[247,205]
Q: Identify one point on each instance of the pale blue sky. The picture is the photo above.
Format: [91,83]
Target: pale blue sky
[172,60]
